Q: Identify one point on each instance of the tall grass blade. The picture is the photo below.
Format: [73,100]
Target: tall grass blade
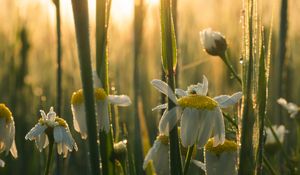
[81,18]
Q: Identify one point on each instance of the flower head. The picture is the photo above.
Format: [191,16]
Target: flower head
[199,114]
[7,133]
[214,43]
[221,159]
[159,154]
[51,127]
[102,102]
[292,108]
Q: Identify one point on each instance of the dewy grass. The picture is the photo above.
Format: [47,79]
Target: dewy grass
[102,24]
[80,11]
[169,61]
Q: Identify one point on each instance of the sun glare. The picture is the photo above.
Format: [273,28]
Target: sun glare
[153,2]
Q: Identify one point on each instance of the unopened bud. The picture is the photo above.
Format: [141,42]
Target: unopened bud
[214,43]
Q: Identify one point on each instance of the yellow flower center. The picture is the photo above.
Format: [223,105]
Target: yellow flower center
[100,94]
[197,101]
[61,122]
[5,113]
[228,146]
[163,139]
[77,97]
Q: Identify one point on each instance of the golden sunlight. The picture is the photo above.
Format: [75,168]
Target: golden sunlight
[152,2]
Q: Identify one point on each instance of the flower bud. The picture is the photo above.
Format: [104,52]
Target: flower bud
[214,43]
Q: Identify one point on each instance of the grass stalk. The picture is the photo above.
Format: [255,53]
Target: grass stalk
[139,13]
[81,18]
[246,166]
[49,158]
[59,72]
[169,62]
[102,23]
[188,159]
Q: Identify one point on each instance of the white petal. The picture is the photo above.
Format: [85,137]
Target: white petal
[40,141]
[79,119]
[190,122]
[35,131]
[219,130]
[204,87]
[225,101]
[43,114]
[169,120]
[207,125]
[180,92]
[2,163]
[96,80]
[13,150]
[119,100]
[51,114]
[150,154]
[199,164]
[58,133]
[165,89]
[103,117]
[159,107]
[292,108]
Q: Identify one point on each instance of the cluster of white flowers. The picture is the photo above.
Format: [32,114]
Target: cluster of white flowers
[200,116]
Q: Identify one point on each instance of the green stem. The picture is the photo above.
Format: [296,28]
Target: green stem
[230,67]
[269,165]
[188,159]
[81,18]
[106,139]
[51,143]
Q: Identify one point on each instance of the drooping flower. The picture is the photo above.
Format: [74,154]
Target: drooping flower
[51,127]
[221,159]
[200,114]
[214,43]
[7,133]
[102,102]
[159,154]
[292,108]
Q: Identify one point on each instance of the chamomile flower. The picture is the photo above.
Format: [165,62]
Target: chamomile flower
[214,43]
[102,102]
[159,154]
[292,108]
[221,159]
[52,128]
[7,133]
[200,114]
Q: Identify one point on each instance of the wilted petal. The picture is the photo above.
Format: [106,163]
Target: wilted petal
[13,149]
[2,163]
[199,164]
[79,119]
[225,101]
[119,100]
[37,130]
[190,122]
[165,89]
[180,92]
[169,120]
[159,107]
[219,130]
[206,127]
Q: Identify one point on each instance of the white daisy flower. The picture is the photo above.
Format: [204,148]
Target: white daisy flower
[52,127]
[159,154]
[200,114]
[280,132]
[221,159]
[7,132]
[214,43]
[292,108]
[102,102]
